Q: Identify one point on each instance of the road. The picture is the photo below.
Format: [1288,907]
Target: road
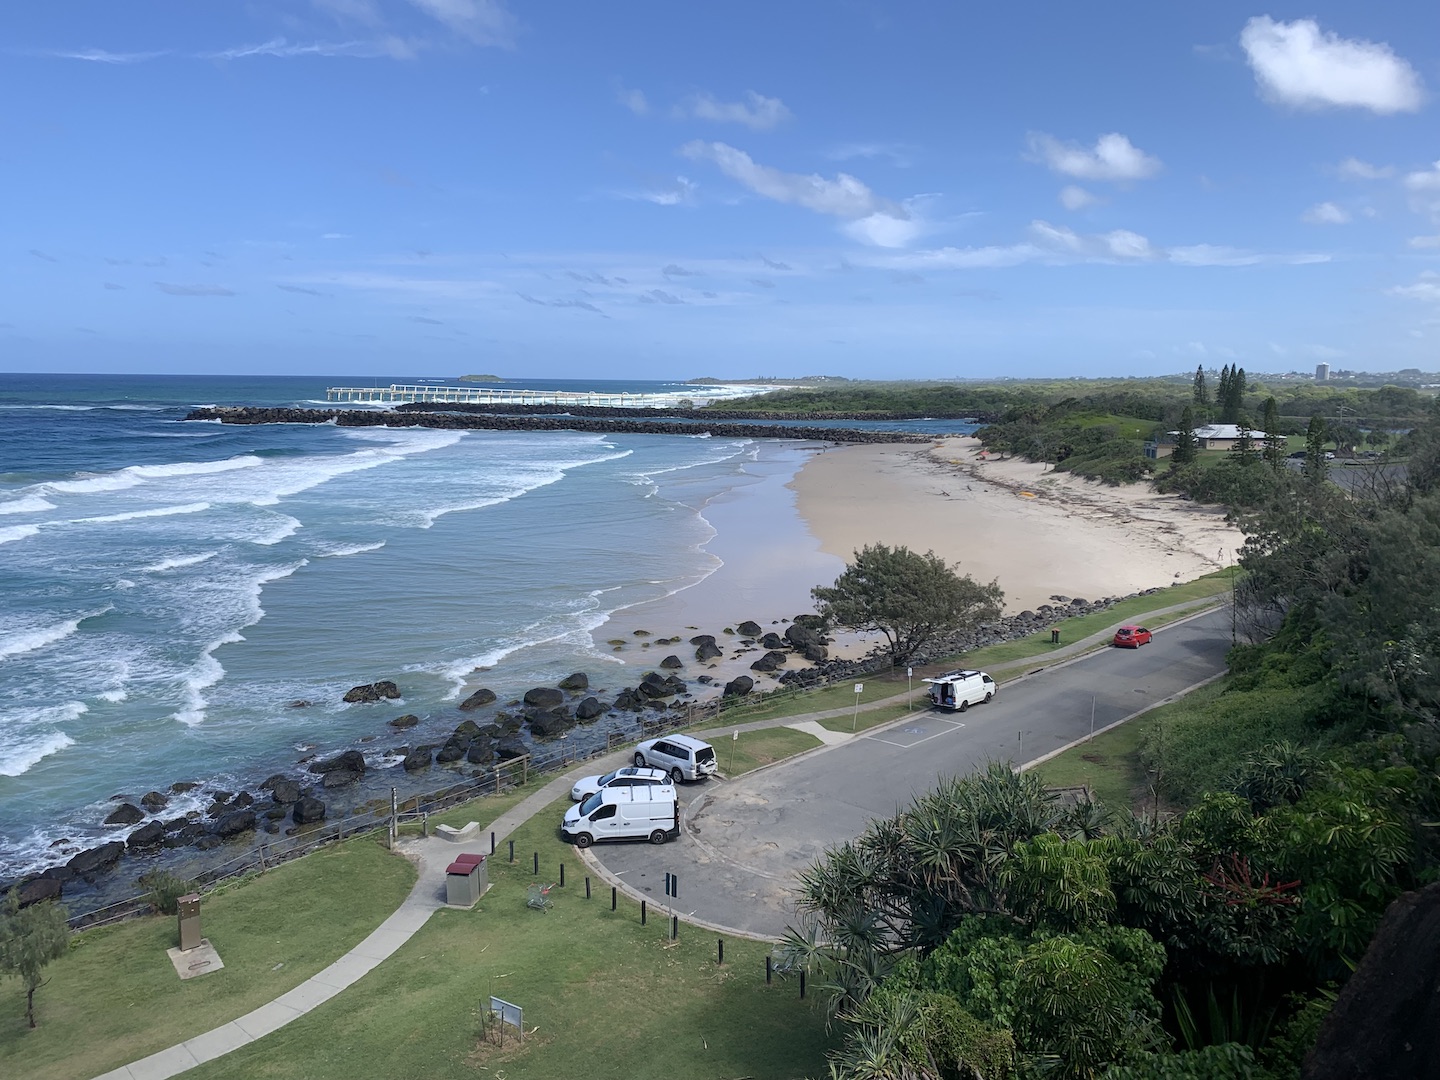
[745,840]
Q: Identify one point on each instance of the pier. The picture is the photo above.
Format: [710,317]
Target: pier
[397,393]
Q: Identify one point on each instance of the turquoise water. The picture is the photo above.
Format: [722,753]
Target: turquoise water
[170,587]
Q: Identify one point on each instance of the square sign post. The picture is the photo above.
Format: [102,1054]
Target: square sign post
[859,688]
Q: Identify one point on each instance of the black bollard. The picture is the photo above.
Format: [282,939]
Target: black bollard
[492,843]
[612,897]
[719,950]
[768,969]
[512,850]
[587,887]
[802,984]
[562,875]
[674,927]
[537,864]
[642,912]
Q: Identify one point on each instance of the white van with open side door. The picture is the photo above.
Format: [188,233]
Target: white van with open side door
[636,813]
[959,690]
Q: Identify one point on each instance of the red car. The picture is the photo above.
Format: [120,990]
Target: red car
[1131,637]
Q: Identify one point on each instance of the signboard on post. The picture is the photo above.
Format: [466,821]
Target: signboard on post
[859,689]
[509,1014]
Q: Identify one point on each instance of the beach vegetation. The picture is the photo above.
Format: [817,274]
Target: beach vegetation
[30,938]
[909,598]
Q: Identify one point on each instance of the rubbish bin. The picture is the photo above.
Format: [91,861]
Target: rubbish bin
[477,862]
[462,884]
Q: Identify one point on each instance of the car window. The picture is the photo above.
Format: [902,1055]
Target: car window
[705,753]
[604,812]
[663,747]
[589,805]
[1142,630]
[607,778]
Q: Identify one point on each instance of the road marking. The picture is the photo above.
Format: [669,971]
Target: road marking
[955,725]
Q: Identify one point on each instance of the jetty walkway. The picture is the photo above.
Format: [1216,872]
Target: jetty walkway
[482,394]
[432,854]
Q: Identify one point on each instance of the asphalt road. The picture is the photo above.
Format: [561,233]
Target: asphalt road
[745,840]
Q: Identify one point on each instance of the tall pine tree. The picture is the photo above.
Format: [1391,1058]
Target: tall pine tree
[1315,467]
[1184,440]
[1202,393]
[1274,452]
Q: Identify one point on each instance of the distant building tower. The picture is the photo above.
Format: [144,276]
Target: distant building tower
[1322,372]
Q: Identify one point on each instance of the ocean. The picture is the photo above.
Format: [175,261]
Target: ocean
[168,589]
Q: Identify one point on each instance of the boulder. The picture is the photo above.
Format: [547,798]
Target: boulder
[708,651]
[800,636]
[385,690]
[453,750]
[275,813]
[749,628]
[308,811]
[548,724]
[1378,1025]
[154,801]
[481,752]
[242,800]
[589,709]
[188,833]
[298,703]
[544,697]
[816,654]
[772,640]
[349,761]
[336,778]
[468,729]
[37,889]
[1077,602]
[575,683]
[208,842]
[702,639]
[182,787]
[739,686]
[628,701]
[285,792]
[147,836]
[234,823]
[478,698]
[671,662]
[125,814]
[409,720]
[771,661]
[93,860]
[511,746]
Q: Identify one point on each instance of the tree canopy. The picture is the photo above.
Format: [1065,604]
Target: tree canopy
[911,599]
[29,939]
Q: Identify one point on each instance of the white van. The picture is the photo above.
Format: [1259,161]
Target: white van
[959,690]
[634,813]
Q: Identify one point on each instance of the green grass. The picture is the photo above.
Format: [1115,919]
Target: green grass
[1109,765]
[756,748]
[115,997]
[603,997]
[875,717]
[484,809]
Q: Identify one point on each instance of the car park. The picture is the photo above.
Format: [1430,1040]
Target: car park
[627,777]
[624,813]
[1131,637]
[959,690]
[683,757]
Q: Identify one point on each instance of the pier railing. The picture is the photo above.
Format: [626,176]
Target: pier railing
[397,393]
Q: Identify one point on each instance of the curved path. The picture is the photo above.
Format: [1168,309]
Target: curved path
[734,881]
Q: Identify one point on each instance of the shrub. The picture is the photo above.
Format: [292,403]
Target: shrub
[164,889]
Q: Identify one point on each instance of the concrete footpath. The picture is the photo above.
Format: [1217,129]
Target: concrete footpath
[432,855]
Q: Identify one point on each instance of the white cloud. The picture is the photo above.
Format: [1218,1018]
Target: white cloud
[1426,290]
[483,22]
[635,101]
[103,56]
[898,155]
[279,47]
[1113,157]
[1355,169]
[1298,64]
[1326,213]
[680,193]
[873,219]
[757,112]
[1213,255]
[1425,241]
[1076,198]
[1425,179]
[1424,188]
[1121,244]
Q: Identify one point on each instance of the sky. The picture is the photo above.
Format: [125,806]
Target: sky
[658,190]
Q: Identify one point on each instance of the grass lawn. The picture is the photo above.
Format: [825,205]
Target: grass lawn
[603,997]
[484,809]
[115,997]
[756,748]
[1109,765]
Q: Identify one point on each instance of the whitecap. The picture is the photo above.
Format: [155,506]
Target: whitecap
[17,532]
[22,754]
[28,504]
[178,562]
[31,638]
[285,528]
[153,512]
[351,549]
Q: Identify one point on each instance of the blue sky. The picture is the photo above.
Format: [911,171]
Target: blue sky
[568,189]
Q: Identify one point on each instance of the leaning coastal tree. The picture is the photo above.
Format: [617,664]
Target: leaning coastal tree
[30,938]
[911,599]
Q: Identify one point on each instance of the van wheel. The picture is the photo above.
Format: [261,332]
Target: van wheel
[639,761]
[657,837]
[677,775]
[988,696]
[584,840]
[963,704]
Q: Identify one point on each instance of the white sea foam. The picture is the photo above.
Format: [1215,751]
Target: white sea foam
[17,532]
[153,512]
[286,527]
[351,549]
[179,562]
[24,753]
[113,696]
[29,638]
[134,475]
[28,504]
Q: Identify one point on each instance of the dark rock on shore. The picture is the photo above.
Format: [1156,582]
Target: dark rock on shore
[285,791]
[453,750]
[349,761]
[478,698]
[708,650]
[575,683]
[37,889]
[147,836]
[772,640]
[671,662]
[511,746]
[481,752]
[799,635]
[234,823]
[702,639]
[338,778]
[589,709]
[771,661]
[189,833]
[154,801]
[417,759]
[546,724]
[308,811]
[95,859]
[125,814]
[543,697]
[749,628]
[182,787]
[385,690]
[409,720]
[739,686]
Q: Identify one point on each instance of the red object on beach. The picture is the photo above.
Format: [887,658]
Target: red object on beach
[469,859]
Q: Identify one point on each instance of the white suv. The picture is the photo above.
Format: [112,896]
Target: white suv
[681,756]
[620,778]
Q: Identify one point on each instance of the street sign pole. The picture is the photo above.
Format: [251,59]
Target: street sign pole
[855,719]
